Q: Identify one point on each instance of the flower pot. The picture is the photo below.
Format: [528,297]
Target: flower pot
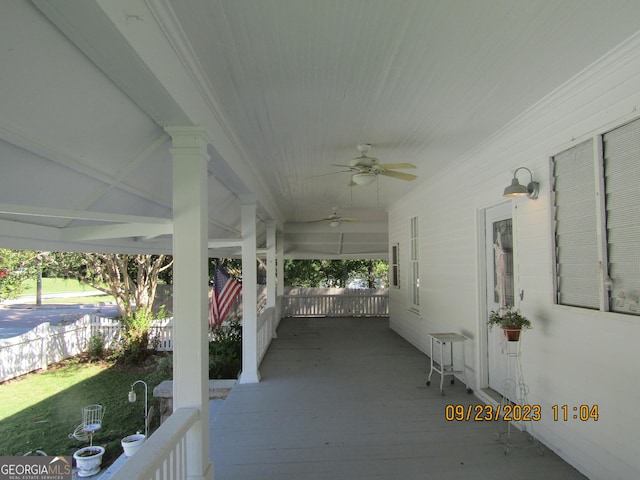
[512,333]
[132,443]
[88,460]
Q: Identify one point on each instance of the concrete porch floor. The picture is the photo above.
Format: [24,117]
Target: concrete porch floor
[345,398]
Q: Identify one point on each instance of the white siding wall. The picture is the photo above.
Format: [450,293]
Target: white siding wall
[571,356]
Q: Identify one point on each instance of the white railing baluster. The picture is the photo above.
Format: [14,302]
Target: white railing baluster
[163,455]
[338,303]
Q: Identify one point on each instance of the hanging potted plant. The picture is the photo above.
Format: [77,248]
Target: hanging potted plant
[510,320]
[88,460]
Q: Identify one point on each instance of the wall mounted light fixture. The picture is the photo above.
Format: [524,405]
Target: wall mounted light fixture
[517,190]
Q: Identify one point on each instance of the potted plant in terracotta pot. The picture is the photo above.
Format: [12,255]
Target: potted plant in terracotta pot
[510,320]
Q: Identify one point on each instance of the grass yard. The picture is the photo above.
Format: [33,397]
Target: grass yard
[86,294]
[38,411]
[81,300]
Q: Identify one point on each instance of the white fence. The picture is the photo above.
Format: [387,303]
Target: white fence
[47,344]
[44,345]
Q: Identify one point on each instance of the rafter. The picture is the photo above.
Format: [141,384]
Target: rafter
[117,180]
[119,230]
[39,211]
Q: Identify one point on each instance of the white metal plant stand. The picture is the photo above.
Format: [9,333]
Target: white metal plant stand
[92,420]
[515,400]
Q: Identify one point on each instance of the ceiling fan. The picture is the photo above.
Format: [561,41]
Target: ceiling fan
[334,219]
[366,169]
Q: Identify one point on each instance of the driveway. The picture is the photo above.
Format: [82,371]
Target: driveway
[20,316]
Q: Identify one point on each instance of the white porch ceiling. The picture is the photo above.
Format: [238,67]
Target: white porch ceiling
[284,88]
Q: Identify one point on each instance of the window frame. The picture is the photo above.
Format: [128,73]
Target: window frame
[600,209]
[414,263]
[395,265]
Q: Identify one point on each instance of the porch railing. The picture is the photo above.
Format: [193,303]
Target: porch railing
[164,455]
[336,303]
[266,328]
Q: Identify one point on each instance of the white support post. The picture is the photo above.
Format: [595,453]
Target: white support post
[271,272]
[190,291]
[280,264]
[250,373]
[279,274]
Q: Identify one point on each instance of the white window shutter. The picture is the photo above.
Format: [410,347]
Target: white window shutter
[577,273]
[622,184]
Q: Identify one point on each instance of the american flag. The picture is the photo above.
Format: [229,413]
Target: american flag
[225,291]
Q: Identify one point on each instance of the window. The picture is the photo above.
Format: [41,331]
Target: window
[413,264]
[622,187]
[597,222]
[576,227]
[395,262]
[503,240]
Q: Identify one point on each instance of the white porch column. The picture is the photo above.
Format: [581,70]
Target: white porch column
[280,263]
[279,274]
[190,288]
[271,273]
[250,372]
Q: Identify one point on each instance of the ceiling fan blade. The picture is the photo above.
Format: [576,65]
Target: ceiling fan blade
[399,175]
[388,166]
[344,166]
[349,219]
[330,173]
[318,221]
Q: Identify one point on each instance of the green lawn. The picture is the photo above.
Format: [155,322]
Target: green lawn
[64,285]
[39,411]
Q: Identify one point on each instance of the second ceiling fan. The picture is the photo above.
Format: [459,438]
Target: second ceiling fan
[334,219]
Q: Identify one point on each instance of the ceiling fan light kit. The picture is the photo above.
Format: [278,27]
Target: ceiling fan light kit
[364,178]
[366,169]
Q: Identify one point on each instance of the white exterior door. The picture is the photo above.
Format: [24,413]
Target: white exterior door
[500,285]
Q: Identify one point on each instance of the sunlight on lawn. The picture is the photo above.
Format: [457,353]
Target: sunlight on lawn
[40,411]
[27,391]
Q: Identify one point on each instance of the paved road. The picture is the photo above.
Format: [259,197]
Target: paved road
[20,316]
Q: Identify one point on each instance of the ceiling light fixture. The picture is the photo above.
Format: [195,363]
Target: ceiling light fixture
[334,223]
[364,178]
[517,190]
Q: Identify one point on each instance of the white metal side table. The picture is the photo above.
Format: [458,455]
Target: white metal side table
[442,339]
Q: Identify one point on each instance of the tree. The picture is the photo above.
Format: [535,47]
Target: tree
[16,266]
[334,273]
[131,279]
[303,273]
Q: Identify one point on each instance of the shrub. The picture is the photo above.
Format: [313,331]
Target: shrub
[225,351]
[135,344]
[161,368]
[96,348]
